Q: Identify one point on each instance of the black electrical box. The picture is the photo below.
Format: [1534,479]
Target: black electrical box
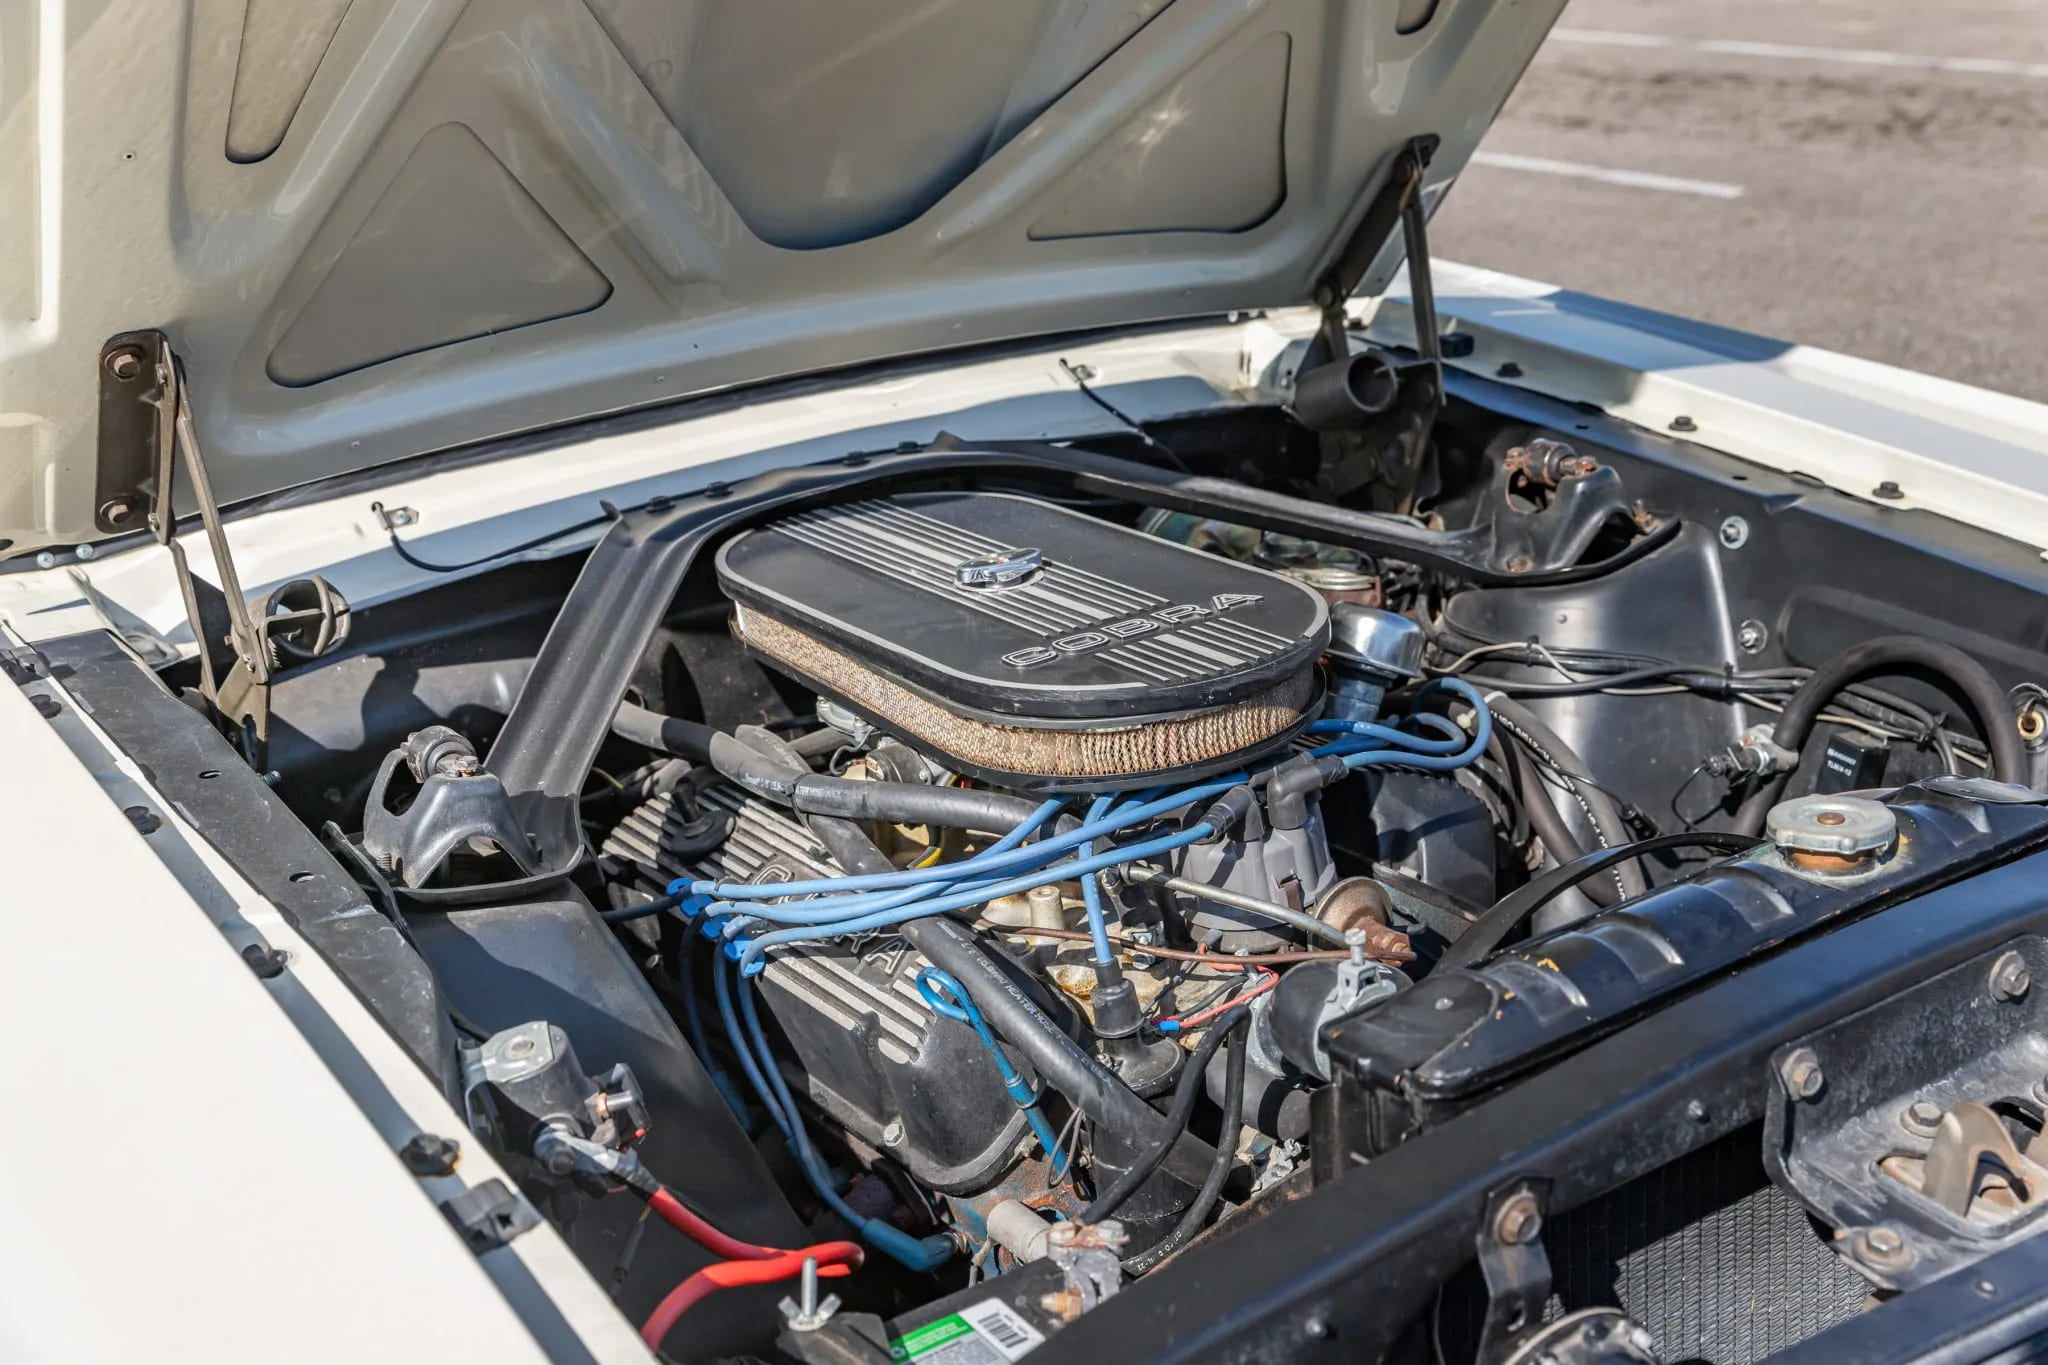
[1852,761]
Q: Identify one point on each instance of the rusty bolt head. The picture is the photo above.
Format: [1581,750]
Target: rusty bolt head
[430,1154]
[1518,564]
[2010,977]
[1881,1247]
[1802,1074]
[125,363]
[1519,1221]
[1062,1303]
[116,511]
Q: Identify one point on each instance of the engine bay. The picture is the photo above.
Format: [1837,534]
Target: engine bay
[976,884]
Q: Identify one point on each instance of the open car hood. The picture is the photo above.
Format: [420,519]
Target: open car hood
[375,228]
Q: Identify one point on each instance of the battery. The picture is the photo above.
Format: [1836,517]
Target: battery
[992,1323]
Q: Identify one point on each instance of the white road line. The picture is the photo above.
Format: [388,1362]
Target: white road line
[1639,180]
[1856,56]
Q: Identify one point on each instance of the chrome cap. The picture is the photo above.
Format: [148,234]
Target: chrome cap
[1373,641]
[1839,826]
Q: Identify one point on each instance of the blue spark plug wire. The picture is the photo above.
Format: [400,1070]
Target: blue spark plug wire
[927,1253]
[749,950]
[947,996]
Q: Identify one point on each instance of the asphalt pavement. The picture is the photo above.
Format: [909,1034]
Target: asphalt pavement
[1869,176]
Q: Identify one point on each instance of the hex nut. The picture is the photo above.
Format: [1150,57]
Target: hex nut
[1519,1221]
[2010,977]
[1880,1247]
[1802,1074]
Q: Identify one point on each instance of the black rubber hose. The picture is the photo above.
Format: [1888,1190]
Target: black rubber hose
[912,803]
[1491,929]
[665,734]
[1550,750]
[692,739]
[1219,1170]
[1986,698]
[1014,1015]
[1537,808]
[743,759]
[1184,1093]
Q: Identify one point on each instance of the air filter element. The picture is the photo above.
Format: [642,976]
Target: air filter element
[1029,645]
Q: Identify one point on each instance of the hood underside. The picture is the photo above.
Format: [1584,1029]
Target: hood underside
[375,228]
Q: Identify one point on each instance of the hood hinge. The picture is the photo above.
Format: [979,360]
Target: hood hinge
[1383,447]
[234,657]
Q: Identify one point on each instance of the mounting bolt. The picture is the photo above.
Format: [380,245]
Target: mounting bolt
[1921,1118]
[1696,1111]
[1684,423]
[1354,941]
[1519,1221]
[1880,1247]
[1752,636]
[1802,1074]
[45,559]
[1888,490]
[265,961]
[125,363]
[430,1154]
[2010,977]
[1734,533]
[115,511]
[892,1133]
[1518,564]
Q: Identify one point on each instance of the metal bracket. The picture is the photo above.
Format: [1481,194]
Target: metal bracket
[1515,1266]
[456,807]
[132,429]
[1579,498]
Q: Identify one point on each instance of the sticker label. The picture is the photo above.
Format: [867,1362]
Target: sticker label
[988,1333]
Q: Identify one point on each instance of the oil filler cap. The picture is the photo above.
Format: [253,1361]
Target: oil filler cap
[1832,834]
